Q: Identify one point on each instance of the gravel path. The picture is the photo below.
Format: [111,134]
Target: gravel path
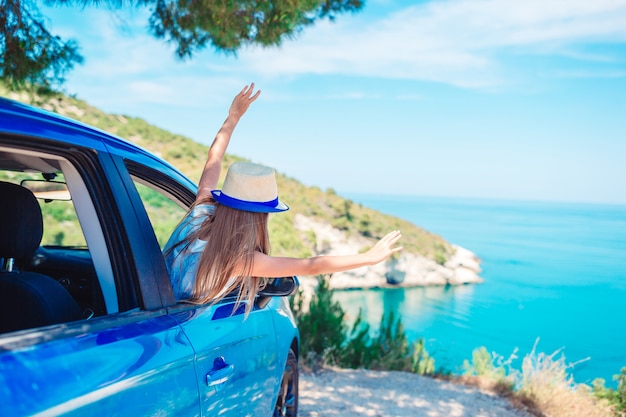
[352,393]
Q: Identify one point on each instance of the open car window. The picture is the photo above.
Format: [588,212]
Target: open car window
[58,211]
[164,212]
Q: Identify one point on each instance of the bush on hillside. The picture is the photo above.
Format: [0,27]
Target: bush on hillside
[321,325]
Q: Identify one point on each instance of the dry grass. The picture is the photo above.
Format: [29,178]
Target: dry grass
[547,389]
[543,400]
[499,387]
[571,403]
[543,387]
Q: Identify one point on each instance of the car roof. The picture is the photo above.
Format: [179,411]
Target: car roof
[21,119]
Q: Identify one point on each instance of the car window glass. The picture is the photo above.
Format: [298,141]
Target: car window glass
[59,217]
[164,213]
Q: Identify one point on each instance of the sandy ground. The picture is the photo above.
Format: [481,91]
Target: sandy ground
[351,393]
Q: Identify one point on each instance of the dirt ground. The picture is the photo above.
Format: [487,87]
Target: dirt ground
[352,393]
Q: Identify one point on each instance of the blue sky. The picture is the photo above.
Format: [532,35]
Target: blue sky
[463,98]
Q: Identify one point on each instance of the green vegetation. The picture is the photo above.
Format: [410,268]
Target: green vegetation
[164,214]
[489,366]
[326,341]
[615,397]
[64,230]
[321,325]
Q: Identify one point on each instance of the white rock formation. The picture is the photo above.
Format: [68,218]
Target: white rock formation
[409,270]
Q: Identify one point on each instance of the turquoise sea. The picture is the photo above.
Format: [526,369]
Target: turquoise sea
[554,272]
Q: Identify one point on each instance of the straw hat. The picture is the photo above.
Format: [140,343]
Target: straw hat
[250,187]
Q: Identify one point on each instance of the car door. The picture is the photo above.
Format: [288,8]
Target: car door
[235,355]
[131,360]
[131,366]
[236,358]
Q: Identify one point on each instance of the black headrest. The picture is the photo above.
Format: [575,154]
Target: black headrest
[21,223]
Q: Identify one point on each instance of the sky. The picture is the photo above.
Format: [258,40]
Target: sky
[496,99]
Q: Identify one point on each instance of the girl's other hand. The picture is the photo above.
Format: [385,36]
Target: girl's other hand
[384,248]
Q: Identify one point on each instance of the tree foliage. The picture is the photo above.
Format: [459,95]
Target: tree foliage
[31,54]
[230,24]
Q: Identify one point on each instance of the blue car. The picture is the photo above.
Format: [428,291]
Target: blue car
[89,325]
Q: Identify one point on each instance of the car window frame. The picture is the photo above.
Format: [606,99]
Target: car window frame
[110,188]
[151,277]
[157,179]
[94,167]
[87,162]
[161,178]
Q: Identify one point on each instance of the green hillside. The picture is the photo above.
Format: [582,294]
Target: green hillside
[188,156]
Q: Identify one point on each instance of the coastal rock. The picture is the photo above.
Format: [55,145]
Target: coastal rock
[408,270]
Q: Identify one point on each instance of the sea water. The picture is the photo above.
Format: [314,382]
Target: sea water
[555,278]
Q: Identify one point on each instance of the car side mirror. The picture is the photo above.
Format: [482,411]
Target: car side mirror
[277,287]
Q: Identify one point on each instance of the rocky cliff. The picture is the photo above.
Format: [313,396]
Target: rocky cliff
[405,270]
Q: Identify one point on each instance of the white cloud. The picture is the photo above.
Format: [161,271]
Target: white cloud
[455,42]
[126,66]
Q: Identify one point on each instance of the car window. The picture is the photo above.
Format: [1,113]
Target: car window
[62,227]
[166,197]
[72,251]
[59,216]
[164,212]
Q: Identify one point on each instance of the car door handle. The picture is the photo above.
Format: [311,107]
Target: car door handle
[220,373]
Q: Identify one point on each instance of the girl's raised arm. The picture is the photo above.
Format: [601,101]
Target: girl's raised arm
[213,166]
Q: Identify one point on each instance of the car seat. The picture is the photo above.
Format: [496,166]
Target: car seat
[27,299]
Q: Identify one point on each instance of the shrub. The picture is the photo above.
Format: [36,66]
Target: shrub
[543,386]
[440,256]
[325,338]
[421,361]
[489,365]
[388,350]
[355,353]
[489,371]
[615,397]
[321,326]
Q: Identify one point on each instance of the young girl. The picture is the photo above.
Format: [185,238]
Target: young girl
[222,244]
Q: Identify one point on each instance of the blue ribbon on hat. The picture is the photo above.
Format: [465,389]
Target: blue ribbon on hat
[254,206]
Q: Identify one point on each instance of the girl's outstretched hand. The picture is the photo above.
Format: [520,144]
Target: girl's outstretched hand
[242,101]
[384,248]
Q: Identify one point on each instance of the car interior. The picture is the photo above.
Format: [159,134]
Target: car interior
[48,274]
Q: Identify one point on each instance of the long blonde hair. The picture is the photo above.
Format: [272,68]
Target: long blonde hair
[232,237]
